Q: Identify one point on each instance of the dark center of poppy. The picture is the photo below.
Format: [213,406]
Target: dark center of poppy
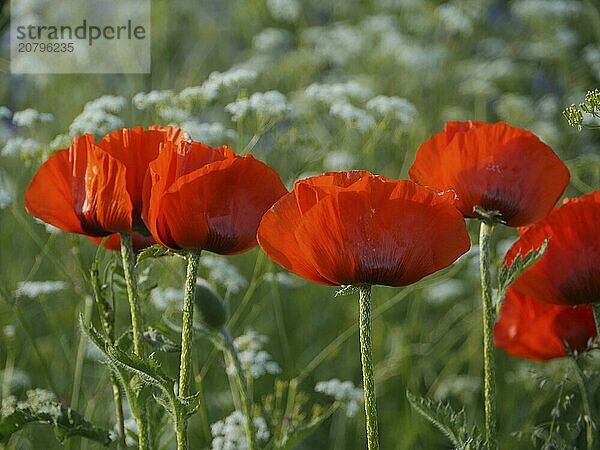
[504,202]
[582,286]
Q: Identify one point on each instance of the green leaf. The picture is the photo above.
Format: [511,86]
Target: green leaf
[42,407]
[147,370]
[508,274]
[451,423]
[160,341]
[154,251]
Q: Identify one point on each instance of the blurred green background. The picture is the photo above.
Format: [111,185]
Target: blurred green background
[519,61]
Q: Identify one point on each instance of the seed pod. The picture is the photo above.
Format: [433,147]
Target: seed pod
[211,306]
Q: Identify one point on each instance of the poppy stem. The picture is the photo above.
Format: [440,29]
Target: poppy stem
[366,353]
[588,417]
[187,338]
[107,319]
[244,390]
[596,310]
[485,236]
[137,326]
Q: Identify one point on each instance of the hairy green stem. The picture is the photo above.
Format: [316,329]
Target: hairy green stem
[244,391]
[107,319]
[596,309]
[366,353]
[585,400]
[128,258]
[187,338]
[489,372]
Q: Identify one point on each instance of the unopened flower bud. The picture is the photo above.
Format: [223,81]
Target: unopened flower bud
[211,306]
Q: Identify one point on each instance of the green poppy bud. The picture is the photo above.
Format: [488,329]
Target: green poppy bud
[211,306]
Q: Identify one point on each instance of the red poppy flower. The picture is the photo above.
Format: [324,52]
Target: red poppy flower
[569,271]
[532,329]
[343,228]
[96,189]
[207,198]
[493,166]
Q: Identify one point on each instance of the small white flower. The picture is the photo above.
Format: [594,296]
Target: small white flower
[400,108]
[212,133]
[271,104]
[338,92]
[353,117]
[21,146]
[162,299]
[339,160]
[5,198]
[254,360]
[99,116]
[286,10]
[5,113]
[145,100]
[229,433]
[270,39]
[173,114]
[223,273]
[343,391]
[445,290]
[33,289]
[29,117]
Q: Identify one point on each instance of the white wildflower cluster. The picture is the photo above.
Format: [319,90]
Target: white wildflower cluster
[214,133]
[336,43]
[542,9]
[43,401]
[338,92]
[15,378]
[99,116]
[5,197]
[145,100]
[29,117]
[399,108]
[229,433]
[339,160]
[343,391]
[33,289]
[352,116]
[163,299]
[217,83]
[464,387]
[456,17]
[271,39]
[8,406]
[5,113]
[285,10]
[445,290]
[21,146]
[270,105]
[286,279]
[255,361]
[223,273]
[173,114]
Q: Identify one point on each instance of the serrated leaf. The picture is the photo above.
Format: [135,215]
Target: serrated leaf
[66,422]
[508,274]
[451,423]
[147,370]
[160,342]
[154,251]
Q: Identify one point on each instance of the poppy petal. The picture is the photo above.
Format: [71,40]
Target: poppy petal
[535,330]
[49,196]
[495,167]
[569,271]
[99,189]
